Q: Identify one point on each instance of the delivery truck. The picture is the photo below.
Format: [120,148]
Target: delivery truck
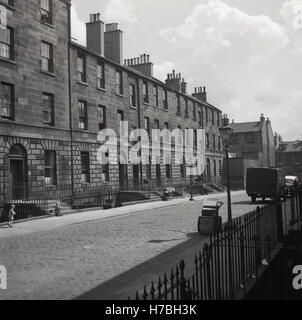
[265,183]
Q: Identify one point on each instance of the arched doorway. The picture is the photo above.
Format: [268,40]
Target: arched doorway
[18,171]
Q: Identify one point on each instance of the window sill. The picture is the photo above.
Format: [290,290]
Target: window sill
[147,104]
[50,25]
[156,107]
[120,95]
[8,60]
[51,74]
[133,107]
[7,6]
[166,110]
[6,119]
[101,89]
[49,124]
[82,83]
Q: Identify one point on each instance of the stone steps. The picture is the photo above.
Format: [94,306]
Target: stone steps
[50,207]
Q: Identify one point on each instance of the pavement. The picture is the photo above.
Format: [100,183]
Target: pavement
[103,254]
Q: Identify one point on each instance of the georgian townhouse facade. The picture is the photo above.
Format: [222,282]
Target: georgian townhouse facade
[34,101]
[56,96]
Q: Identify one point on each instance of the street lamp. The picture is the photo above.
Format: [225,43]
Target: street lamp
[226,135]
[192,166]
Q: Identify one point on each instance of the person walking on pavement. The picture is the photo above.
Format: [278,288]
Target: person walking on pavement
[58,209]
[11,215]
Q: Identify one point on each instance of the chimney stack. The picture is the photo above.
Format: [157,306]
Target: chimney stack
[173,81]
[183,86]
[225,120]
[113,43]
[95,34]
[142,64]
[200,94]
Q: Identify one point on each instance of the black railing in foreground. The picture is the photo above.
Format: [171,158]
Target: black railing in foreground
[231,259]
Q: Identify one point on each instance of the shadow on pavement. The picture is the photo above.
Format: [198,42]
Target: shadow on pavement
[251,203]
[126,284]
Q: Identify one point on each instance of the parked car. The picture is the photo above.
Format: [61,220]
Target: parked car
[291,182]
[265,183]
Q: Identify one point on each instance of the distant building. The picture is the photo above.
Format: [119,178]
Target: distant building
[252,145]
[289,158]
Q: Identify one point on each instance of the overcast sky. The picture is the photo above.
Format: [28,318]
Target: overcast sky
[246,52]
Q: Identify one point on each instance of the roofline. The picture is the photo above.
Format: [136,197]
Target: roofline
[138,73]
[258,122]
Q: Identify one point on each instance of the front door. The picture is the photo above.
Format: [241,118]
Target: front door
[17,178]
[123,175]
[158,175]
[136,176]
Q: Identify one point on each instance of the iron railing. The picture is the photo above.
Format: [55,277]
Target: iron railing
[232,258]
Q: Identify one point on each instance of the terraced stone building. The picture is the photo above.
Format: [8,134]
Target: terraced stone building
[56,95]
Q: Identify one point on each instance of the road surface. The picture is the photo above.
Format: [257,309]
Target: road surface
[104,257]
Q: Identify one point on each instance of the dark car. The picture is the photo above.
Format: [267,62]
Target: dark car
[291,183]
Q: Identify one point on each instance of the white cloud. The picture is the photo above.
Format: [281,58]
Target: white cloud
[122,11]
[78,28]
[161,70]
[254,59]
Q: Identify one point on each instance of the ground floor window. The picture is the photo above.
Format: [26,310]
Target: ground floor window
[50,168]
[85,167]
[148,171]
[168,171]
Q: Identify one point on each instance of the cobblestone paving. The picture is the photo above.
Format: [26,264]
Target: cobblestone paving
[68,261]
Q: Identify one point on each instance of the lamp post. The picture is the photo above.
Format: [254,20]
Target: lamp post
[192,166]
[226,135]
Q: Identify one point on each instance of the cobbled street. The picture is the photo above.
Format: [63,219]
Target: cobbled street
[64,259]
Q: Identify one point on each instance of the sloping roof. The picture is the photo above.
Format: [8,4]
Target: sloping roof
[246,127]
[291,146]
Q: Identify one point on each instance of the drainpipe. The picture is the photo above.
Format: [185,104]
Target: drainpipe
[139,122]
[70,104]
